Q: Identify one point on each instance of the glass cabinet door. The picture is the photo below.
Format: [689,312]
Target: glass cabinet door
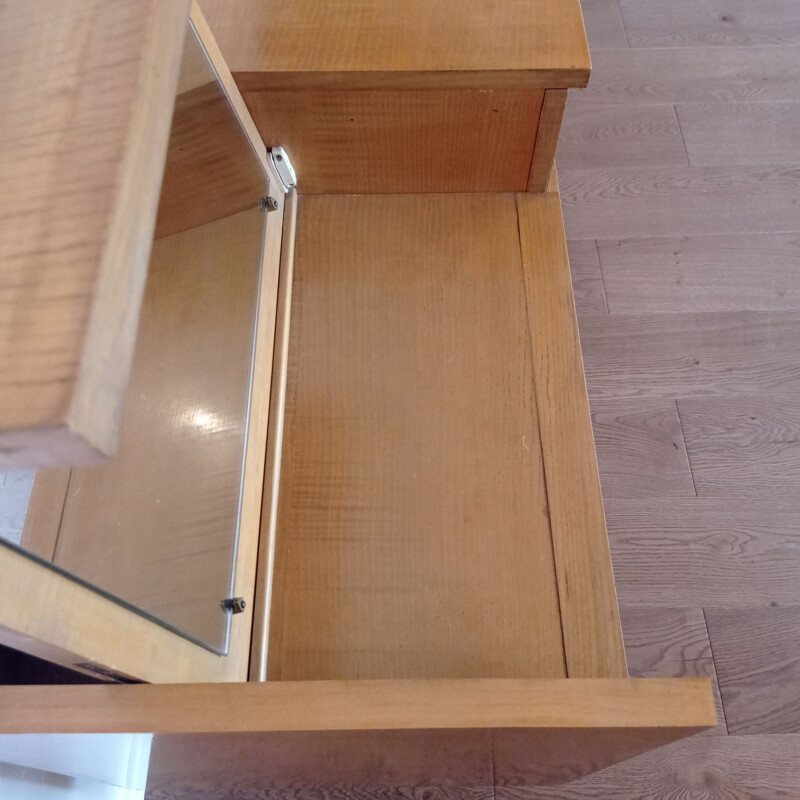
[156,526]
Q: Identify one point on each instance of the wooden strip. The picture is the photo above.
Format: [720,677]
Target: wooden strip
[45,507]
[407,44]
[589,615]
[547,132]
[78,210]
[603,704]
[587,278]
[277,405]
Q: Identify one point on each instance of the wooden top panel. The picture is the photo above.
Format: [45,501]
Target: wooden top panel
[86,96]
[404,43]
[413,533]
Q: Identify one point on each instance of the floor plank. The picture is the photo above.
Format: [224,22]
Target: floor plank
[740,133]
[640,448]
[620,202]
[667,642]
[705,551]
[680,355]
[757,652]
[587,281]
[603,24]
[606,136]
[750,271]
[700,768]
[692,75]
[744,445]
[691,23]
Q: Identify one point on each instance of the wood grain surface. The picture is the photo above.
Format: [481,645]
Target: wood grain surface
[407,44]
[620,202]
[685,23]
[757,653]
[693,75]
[611,136]
[707,767]
[413,532]
[701,273]
[705,551]
[640,448]
[44,510]
[589,616]
[587,279]
[662,355]
[663,642]
[547,132]
[77,211]
[392,141]
[741,133]
[157,525]
[603,24]
[747,445]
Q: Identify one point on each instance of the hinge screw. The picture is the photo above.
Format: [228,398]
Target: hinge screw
[233,604]
[268,203]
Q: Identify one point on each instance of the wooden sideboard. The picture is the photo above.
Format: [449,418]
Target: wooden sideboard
[425,561]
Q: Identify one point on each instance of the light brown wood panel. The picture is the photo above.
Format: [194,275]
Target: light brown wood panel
[413,538]
[404,44]
[621,202]
[606,136]
[743,445]
[589,616]
[693,75]
[685,23]
[748,271]
[82,141]
[757,653]
[705,551]
[547,131]
[640,448]
[402,141]
[45,507]
[156,525]
[360,705]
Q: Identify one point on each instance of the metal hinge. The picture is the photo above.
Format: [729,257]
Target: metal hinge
[283,166]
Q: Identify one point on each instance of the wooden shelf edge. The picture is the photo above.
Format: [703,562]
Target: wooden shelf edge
[282,706]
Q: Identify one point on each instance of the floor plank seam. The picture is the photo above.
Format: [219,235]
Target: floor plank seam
[680,131]
[685,445]
[716,675]
[602,279]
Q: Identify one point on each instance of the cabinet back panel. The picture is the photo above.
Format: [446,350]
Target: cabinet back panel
[413,533]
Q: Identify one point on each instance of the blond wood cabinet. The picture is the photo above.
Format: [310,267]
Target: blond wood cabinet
[422,544]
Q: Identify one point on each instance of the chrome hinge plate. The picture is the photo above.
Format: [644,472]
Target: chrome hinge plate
[283,166]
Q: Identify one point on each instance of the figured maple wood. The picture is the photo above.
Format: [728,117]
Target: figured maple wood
[413,538]
[77,212]
[391,141]
[547,132]
[589,616]
[407,44]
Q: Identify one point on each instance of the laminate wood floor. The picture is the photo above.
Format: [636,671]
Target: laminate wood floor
[679,171]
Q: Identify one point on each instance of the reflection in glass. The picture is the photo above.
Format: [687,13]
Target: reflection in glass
[156,526]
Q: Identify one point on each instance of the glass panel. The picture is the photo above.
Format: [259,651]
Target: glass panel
[156,527]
